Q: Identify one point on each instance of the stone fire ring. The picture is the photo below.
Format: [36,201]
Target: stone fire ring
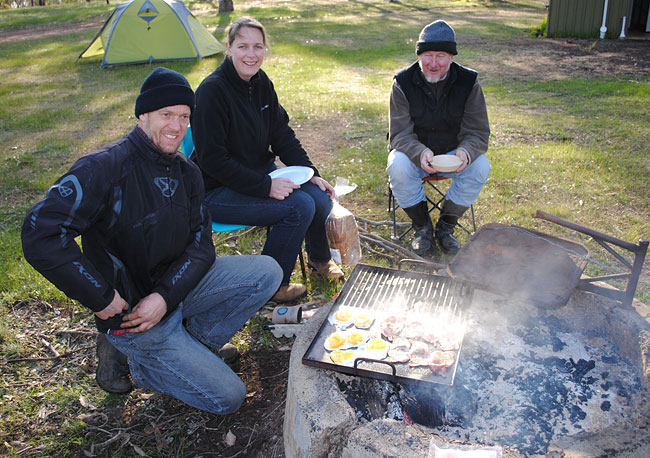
[319,421]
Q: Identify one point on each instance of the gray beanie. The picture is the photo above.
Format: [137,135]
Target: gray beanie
[163,88]
[437,36]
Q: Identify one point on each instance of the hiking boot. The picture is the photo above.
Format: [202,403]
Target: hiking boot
[327,269]
[289,292]
[449,214]
[423,239]
[422,227]
[445,237]
[112,373]
[229,353]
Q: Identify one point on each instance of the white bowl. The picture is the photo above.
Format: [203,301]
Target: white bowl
[446,163]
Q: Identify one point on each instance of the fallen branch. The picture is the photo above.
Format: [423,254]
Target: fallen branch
[109,441]
[250,438]
[389,246]
[50,348]
[400,251]
[76,332]
[366,246]
[63,355]
[381,223]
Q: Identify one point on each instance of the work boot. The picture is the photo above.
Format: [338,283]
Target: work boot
[229,353]
[422,227]
[289,292]
[449,214]
[327,269]
[112,368]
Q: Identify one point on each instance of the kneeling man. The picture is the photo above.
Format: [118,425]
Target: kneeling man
[147,269]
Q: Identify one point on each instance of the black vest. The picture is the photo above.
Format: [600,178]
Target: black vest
[437,122]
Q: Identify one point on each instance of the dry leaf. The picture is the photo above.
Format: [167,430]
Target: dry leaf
[42,413]
[230,439]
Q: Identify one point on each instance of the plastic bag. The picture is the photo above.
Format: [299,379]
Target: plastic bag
[341,228]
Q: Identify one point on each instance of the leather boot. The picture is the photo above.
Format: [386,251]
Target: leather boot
[112,369]
[327,269]
[231,356]
[449,215]
[289,292]
[422,226]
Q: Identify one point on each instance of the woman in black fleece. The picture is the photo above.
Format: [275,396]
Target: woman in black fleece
[239,128]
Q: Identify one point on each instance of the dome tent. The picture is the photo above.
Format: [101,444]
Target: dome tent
[151,30]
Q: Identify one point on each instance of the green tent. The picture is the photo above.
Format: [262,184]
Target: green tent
[150,30]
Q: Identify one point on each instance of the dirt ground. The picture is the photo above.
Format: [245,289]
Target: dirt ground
[142,422]
[256,430]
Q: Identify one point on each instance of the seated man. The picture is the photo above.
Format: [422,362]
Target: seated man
[148,269]
[437,107]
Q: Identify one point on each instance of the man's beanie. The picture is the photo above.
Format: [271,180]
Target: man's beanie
[163,88]
[437,36]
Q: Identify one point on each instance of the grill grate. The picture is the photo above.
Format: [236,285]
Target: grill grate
[381,292]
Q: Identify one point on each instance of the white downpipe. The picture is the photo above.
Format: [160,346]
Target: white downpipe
[603,28]
[622,35]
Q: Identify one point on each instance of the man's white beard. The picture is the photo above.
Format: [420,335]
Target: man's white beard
[433,80]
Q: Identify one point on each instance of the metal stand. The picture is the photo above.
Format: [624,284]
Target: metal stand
[587,284]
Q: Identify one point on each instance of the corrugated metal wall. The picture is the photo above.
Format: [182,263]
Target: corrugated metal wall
[583,18]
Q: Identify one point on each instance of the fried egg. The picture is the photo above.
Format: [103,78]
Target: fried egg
[362,320]
[377,344]
[345,357]
[355,338]
[342,318]
[334,341]
[376,349]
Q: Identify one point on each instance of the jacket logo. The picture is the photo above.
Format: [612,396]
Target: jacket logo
[65,191]
[181,271]
[86,274]
[166,185]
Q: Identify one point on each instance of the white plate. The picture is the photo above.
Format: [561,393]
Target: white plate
[296,173]
[446,162]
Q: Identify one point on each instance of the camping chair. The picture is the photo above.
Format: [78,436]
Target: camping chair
[187,146]
[435,201]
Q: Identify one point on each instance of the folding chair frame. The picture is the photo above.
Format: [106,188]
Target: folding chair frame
[435,201]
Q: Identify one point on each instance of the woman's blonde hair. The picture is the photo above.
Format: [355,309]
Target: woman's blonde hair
[245,21]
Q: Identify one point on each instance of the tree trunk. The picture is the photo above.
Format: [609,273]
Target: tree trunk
[226,6]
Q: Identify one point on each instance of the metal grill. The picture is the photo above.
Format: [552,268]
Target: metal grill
[380,292]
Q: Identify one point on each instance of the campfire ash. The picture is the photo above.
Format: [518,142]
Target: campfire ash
[527,384]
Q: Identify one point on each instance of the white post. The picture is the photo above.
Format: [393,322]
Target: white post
[603,28]
[622,35]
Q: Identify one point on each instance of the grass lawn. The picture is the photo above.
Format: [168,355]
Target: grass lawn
[564,140]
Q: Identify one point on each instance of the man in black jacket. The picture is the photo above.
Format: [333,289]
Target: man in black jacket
[437,107]
[148,269]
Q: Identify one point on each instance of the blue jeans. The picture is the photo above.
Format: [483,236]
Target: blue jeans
[301,216]
[172,358]
[405,179]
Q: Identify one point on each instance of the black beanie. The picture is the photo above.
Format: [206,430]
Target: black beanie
[437,36]
[163,88]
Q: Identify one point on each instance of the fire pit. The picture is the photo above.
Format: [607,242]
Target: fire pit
[568,381]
